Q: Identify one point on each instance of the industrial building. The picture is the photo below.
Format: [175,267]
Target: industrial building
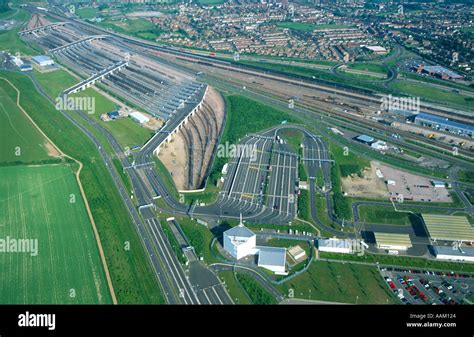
[392,241]
[16,61]
[437,71]
[138,117]
[404,112]
[26,67]
[113,114]
[376,49]
[448,227]
[438,183]
[272,258]
[297,253]
[445,124]
[365,139]
[334,245]
[42,60]
[240,241]
[454,253]
[379,145]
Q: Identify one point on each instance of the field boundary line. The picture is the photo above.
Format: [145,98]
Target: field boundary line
[84,197]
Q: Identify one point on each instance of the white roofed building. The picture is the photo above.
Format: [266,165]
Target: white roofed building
[272,258]
[454,254]
[334,245]
[240,241]
[139,118]
[376,49]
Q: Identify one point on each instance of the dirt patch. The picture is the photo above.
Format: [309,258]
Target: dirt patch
[52,151]
[187,157]
[369,185]
[173,156]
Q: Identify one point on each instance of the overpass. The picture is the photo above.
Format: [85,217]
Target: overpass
[94,78]
[74,43]
[42,28]
[191,105]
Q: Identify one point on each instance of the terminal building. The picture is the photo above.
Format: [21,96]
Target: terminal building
[392,241]
[445,124]
[240,241]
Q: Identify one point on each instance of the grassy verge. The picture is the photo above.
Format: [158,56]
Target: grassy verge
[257,294]
[466,176]
[402,261]
[302,175]
[236,292]
[304,206]
[200,237]
[342,206]
[433,94]
[173,241]
[343,283]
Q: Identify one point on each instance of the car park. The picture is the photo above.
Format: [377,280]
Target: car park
[428,287]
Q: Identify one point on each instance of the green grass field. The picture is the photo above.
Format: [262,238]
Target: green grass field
[35,203]
[466,176]
[87,13]
[9,39]
[294,138]
[383,215]
[337,282]
[20,140]
[130,270]
[306,27]
[211,2]
[372,67]
[127,132]
[362,77]
[401,261]
[55,82]
[432,94]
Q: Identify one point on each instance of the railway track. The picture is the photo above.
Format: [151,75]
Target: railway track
[322,85]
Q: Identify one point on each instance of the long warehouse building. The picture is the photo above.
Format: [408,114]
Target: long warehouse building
[448,227]
[445,124]
[392,241]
